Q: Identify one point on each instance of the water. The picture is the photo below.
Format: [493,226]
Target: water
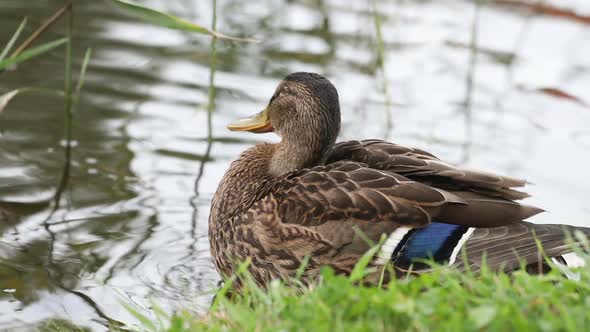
[130,228]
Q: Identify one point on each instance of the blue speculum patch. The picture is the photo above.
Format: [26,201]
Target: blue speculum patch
[437,241]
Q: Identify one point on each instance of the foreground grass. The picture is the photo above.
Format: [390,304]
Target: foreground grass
[445,300]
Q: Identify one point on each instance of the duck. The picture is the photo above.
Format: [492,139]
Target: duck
[310,202]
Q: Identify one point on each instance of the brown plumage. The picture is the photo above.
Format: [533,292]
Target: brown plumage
[307,196]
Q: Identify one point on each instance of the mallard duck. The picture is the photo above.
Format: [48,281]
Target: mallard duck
[309,196]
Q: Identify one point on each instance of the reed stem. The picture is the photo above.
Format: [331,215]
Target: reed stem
[381,65]
[469,83]
[68,114]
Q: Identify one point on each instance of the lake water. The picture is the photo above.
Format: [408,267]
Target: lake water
[131,228]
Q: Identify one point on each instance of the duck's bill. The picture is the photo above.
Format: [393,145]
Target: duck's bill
[258,123]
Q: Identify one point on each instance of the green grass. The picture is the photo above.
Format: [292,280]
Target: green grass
[444,300]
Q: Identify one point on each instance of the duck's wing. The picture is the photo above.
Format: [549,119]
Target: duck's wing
[499,248]
[490,198]
[353,191]
[422,166]
[342,209]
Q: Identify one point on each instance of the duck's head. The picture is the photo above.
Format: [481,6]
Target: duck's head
[302,102]
[304,111]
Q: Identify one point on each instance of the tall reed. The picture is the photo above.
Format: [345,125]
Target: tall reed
[381,66]
[469,83]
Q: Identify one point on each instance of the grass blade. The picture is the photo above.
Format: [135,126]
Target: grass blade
[26,55]
[362,266]
[166,20]
[13,39]
[82,74]
[159,18]
[40,30]
[143,319]
[7,97]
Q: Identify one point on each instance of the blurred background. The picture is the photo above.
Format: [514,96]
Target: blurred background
[500,85]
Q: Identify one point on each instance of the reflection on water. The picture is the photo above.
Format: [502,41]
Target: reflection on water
[130,228]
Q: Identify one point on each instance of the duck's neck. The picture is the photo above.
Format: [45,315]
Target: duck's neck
[293,154]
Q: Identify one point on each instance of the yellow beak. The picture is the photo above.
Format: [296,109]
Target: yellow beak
[258,123]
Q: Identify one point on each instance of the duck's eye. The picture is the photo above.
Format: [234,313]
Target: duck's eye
[280,93]
[284,91]
[275,96]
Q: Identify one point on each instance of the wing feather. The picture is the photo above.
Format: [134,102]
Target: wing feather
[507,246]
[425,167]
[353,191]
